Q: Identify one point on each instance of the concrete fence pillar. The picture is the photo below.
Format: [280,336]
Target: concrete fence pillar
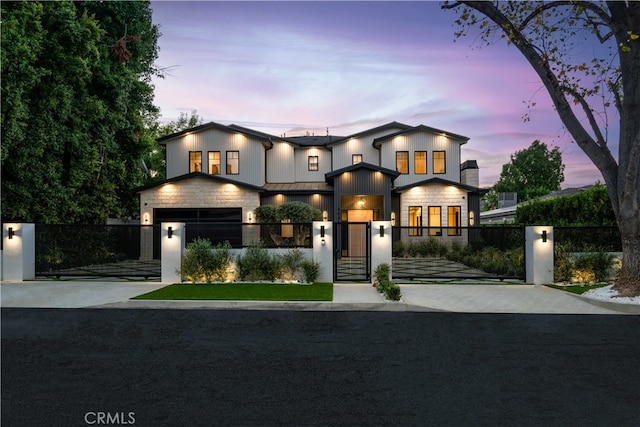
[323,249]
[173,245]
[539,254]
[18,251]
[381,245]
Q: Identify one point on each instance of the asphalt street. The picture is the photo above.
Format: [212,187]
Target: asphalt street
[69,367]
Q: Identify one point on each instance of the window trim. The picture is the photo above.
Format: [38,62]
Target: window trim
[310,164]
[353,159]
[237,158]
[415,163]
[406,153]
[210,163]
[444,162]
[192,162]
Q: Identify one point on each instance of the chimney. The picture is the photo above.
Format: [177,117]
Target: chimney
[470,174]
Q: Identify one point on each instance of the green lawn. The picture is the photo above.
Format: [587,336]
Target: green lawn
[244,292]
[577,289]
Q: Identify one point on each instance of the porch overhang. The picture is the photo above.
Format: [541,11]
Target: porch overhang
[330,176]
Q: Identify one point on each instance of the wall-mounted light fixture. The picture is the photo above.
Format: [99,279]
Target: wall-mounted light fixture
[544,236]
[322,231]
[393,219]
[11,232]
[146,218]
[382,231]
[325,216]
[250,217]
[170,232]
[472,217]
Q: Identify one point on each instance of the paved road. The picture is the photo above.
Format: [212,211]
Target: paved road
[263,368]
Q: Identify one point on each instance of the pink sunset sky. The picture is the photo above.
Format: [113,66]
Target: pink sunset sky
[297,67]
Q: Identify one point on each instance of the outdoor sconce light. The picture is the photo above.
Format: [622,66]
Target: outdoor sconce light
[325,216]
[382,231]
[322,231]
[11,232]
[250,217]
[146,218]
[170,232]
[393,219]
[544,236]
[472,217]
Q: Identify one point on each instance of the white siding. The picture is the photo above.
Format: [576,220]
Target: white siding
[251,153]
[422,141]
[280,160]
[303,174]
[361,145]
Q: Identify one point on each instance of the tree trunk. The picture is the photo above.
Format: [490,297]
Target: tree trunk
[628,283]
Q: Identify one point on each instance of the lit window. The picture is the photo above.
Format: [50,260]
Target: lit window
[420,159]
[214,162]
[415,220]
[356,158]
[313,163]
[195,161]
[439,162]
[233,164]
[402,161]
[453,220]
[435,221]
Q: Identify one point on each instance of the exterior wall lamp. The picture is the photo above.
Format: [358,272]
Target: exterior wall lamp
[325,216]
[170,232]
[322,235]
[382,231]
[11,232]
[544,236]
[393,219]
[250,217]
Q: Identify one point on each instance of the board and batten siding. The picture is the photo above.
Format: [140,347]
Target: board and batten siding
[302,172]
[251,154]
[343,151]
[422,141]
[280,160]
[363,182]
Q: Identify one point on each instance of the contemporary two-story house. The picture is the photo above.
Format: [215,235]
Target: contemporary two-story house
[409,175]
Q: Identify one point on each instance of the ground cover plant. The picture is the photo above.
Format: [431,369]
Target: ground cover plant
[577,289]
[244,292]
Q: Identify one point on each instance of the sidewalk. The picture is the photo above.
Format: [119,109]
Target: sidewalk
[347,297]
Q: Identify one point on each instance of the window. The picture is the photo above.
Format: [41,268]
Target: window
[402,161]
[356,158]
[214,162]
[415,220]
[233,166]
[313,163]
[195,161]
[439,162]
[435,221]
[420,160]
[453,220]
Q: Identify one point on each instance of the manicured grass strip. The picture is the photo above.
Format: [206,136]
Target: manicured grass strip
[244,292]
[577,289]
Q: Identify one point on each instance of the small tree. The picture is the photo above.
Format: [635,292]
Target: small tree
[295,212]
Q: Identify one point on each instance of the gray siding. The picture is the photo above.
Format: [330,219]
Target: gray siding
[363,145]
[280,160]
[363,182]
[302,172]
[251,153]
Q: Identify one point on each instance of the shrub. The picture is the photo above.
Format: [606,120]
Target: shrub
[292,264]
[384,285]
[382,272]
[310,270]
[563,264]
[221,261]
[198,263]
[399,249]
[393,292]
[257,264]
[598,263]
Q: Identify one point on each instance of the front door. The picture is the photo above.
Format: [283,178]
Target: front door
[357,237]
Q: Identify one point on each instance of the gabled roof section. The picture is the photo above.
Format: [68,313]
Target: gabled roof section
[312,141]
[391,125]
[329,176]
[439,181]
[217,178]
[420,128]
[264,137]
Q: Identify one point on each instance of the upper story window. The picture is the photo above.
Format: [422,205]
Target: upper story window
[439,163]
[356,158]
[233,162]
[313,163]
[402,161]
[195,161]
[420,161]
[214,162]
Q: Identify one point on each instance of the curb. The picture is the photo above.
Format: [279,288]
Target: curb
[615,306]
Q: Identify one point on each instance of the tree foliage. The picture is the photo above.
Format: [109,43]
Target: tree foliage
[587,56]
[532,172]
[73,108]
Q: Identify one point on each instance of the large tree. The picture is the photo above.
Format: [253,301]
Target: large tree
[583,89]
[75,88]
[532,172]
